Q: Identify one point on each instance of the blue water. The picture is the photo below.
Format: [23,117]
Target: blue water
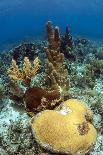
[25,19]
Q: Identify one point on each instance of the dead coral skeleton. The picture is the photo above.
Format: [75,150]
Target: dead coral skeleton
[26,73]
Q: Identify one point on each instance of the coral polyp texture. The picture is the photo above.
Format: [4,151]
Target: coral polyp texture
[57,74]
[26,73]
[65,130]
[78,107]
[53,36]
[37,99]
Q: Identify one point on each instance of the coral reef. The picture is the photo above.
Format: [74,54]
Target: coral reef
[99,53]
[28,49]
[95,68]
[82,47]
[16,136]
[67,44]
[69,68]
[66,131]
[2,89]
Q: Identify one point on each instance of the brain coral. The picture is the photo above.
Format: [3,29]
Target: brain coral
[65,130]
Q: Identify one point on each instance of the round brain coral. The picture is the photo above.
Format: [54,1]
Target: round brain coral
[77,107]
[66,129]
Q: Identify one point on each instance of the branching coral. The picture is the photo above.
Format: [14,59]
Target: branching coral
[35,98]
[26,73]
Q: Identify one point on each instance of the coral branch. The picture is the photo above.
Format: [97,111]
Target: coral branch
[26,73]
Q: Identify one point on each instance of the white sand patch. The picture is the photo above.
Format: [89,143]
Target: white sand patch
[9,115]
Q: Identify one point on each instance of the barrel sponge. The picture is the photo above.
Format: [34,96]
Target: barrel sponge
[62,131]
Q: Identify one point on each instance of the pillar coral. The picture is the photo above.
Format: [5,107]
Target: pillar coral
[57,74]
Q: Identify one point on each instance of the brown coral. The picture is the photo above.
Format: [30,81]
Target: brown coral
[57,74]
[37,99]
[26,73]
[57,78]
[53,36]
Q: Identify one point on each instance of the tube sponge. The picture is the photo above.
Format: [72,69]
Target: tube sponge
[64,130]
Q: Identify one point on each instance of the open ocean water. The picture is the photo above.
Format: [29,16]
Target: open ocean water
[25,19]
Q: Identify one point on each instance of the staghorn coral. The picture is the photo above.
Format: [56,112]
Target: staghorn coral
[26,73]
[57,74]
[65,130]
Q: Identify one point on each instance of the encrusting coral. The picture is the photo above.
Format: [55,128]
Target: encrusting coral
[37,99]
[57,74]
[26,73]
[65,130]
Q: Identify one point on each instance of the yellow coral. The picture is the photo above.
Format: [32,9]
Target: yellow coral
[78,108]
[64,130]
[26,73]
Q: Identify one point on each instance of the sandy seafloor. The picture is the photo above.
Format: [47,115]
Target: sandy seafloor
[15,133]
